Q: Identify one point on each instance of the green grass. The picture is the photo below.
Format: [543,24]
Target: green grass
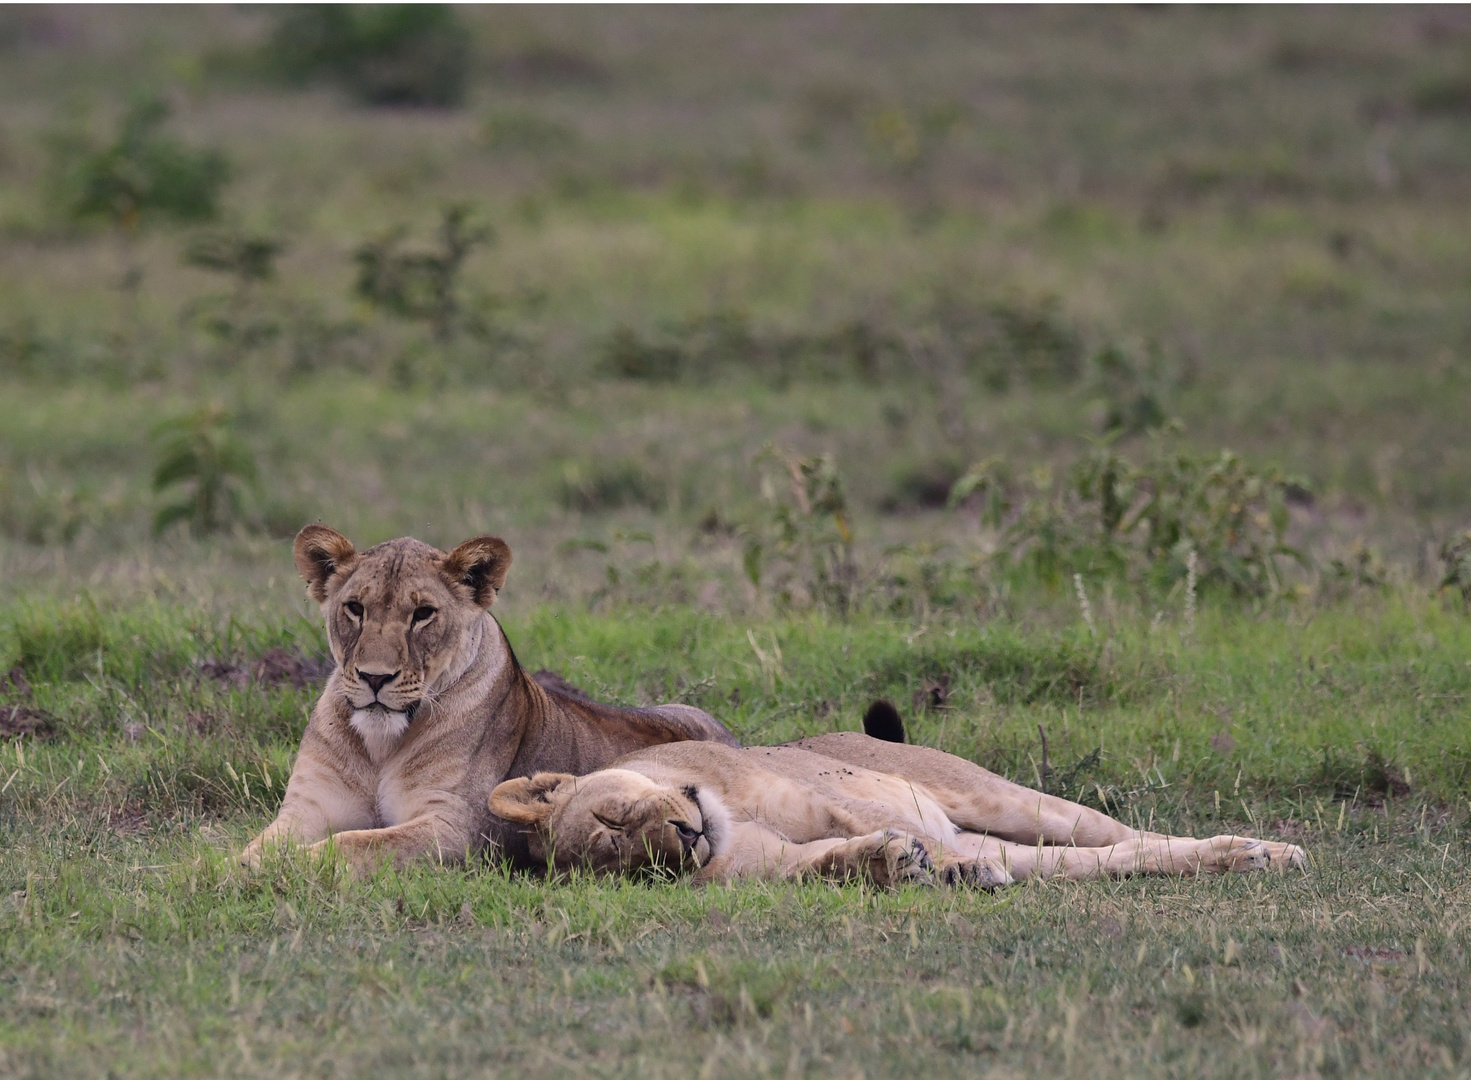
[132,943]
[161,959]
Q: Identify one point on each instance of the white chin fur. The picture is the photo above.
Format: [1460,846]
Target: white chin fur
[381,730]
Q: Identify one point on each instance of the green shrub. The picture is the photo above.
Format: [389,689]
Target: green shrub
[607,485]
[201,454]
[139,174]
[1448,95]
[803,552]
[35,510]
[237,320]
[1455,553]
[1134,391]
[923,484]
[1108,515]
[626,355]
[381,54]
[421,285]
[243,256]
[1016,340]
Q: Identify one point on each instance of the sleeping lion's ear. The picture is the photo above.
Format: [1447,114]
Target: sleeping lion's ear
[481,566]
[524,799]
[321,552]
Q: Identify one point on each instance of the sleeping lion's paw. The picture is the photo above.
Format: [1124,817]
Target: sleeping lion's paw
[1242,854]
[975,874]
[896,859]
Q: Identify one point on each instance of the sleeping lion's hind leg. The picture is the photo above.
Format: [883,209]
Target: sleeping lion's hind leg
[1162,855]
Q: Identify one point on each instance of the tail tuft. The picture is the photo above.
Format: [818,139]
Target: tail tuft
[882,721]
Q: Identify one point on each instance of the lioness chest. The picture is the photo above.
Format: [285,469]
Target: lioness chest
[412,779]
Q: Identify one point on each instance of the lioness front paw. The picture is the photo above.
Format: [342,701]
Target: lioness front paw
[362,860]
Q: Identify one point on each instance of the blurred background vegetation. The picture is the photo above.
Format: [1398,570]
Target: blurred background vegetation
[753,309]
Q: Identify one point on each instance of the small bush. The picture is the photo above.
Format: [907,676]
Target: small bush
[139,174]
[245,257]
[237,320]
[1003,342]
[608,485]
[626,355]
[38,511]
[804,550]
[1133,391]
[421,285]
[1035,343]
[1446,96]
[1108,515]
[923,485]
[200,454]
[1360,567]
[381,54]
[996,343]
[1455,553]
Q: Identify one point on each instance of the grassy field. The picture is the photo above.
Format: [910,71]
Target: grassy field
[760,287]
[135,946]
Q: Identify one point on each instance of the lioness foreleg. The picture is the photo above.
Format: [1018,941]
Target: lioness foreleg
[977,799]
[429,836]
[319,801]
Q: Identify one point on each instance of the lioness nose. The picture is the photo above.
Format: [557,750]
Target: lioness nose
[376,681]
[687,836]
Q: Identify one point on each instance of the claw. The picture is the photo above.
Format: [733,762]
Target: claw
[920,856]
[976,874]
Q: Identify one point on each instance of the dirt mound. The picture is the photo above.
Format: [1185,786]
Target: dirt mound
[20,721]
[276,667]
[19,718]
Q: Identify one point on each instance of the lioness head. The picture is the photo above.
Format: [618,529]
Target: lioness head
[404,619]
[611,821]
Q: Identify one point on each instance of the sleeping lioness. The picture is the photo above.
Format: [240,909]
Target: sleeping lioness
[428,710]
[839,806]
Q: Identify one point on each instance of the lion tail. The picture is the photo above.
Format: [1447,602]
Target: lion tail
[882,721]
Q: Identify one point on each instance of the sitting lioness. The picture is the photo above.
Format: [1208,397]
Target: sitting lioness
[428,710]
[839,806]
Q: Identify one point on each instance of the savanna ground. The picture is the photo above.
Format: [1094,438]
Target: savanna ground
[813,355]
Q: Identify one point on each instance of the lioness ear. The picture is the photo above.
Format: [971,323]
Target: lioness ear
[524,799]
[321,552]
[481,566]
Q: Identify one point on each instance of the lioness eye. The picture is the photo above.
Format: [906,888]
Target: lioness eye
[354,609]
[607,823]
[423,614]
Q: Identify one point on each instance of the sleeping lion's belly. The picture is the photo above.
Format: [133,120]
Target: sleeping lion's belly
[863,789]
